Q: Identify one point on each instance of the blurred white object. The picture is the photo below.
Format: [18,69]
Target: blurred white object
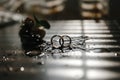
[44,6]
[94,9]
[13,5]
[7,16]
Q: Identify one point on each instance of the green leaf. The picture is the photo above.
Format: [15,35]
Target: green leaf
[43,23]
[37,21]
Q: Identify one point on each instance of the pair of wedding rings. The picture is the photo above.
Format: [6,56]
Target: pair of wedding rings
[59,42]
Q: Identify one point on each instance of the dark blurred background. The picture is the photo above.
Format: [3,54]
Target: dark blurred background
[64,9]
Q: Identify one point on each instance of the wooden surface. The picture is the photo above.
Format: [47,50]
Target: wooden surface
[100,63]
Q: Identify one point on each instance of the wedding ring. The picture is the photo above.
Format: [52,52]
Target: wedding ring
[67,41]
[57,41]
